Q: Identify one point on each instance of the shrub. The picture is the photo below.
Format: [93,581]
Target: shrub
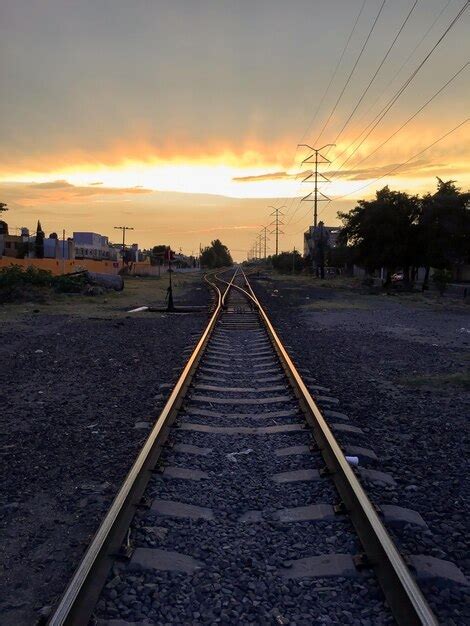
[70,283]
[441,278]
[19,284]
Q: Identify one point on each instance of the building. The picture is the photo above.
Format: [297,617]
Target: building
[93,246]
[328,234]
[14,246]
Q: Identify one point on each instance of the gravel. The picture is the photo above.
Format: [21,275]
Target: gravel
[241,579]
[78,395]
[368,350]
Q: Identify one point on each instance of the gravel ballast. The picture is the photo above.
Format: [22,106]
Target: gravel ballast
[395,364]
[220,541]
[78,397]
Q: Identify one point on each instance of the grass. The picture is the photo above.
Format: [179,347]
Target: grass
[429,300]
[460,380]
[299,281]
[138,291]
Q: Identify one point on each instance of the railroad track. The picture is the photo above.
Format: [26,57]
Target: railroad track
[241,506]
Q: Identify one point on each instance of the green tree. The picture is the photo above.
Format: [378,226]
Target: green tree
[216,255]
[443,233]
[381,232]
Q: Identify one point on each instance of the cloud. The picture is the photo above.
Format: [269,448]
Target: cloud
[60,191]
[267,176]
[54,184]
[422,167]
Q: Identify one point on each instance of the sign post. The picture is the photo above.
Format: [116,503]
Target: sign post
[169,255]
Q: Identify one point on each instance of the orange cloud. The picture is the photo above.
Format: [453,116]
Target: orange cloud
[60,191]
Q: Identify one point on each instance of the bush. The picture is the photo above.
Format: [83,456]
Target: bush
[33,284]
[287,262]
[15,275]
[70,284]
[441,278]
[19,284]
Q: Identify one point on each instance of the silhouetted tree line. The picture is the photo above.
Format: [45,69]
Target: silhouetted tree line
[287,262]
[216,255]
[401,231]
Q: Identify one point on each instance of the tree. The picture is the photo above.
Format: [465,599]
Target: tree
[443,233]
[287,262]
[382,231]
[39,243]
[216,255]
[3,207]
[157,254]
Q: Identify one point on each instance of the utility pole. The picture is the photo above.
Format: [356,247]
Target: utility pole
[263,234]
[123,228]
[260,240]
[293,261]
[63,251]
[318,196]
[276,223]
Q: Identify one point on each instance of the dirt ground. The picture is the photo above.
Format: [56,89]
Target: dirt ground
[80,387]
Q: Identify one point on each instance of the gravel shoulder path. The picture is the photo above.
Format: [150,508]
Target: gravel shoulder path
[79,393]
[400,370]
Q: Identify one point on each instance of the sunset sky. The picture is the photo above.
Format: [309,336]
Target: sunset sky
[182,118]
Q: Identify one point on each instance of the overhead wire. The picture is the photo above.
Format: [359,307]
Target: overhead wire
[352,71]
[392,80]
[291,201]
[406,84]
[385,57]
[333,76]
[415,114]
[397,167]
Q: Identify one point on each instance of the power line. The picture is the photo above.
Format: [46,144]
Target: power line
[291,202]
[408,81]
[395,168]
[333,76]
[325,93]
[415,113]
[352,71]
[405,62]
[376,71]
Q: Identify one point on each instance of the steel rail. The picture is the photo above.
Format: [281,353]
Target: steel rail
[405,598]
[79,598]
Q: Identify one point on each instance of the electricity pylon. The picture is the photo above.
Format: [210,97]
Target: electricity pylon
[318,196]
[276,223]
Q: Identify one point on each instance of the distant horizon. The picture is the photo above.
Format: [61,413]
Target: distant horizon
[183,121]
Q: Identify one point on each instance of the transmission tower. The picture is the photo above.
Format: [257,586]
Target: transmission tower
[318,196]
[276,223]
[265,237]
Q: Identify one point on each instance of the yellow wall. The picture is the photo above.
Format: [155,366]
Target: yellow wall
[64,267]
[144,269]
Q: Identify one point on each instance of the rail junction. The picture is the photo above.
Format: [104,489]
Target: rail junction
[241,506]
